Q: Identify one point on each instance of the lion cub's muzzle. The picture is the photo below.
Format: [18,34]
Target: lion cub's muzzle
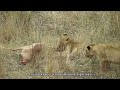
[88,55]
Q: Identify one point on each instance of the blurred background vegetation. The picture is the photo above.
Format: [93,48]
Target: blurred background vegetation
[19,28]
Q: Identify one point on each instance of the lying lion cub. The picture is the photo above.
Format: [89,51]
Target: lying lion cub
[29,51]
[105,53]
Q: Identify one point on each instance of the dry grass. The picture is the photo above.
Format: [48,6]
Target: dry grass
[26,27]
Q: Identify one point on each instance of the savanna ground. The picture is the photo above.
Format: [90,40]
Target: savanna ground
[19,28]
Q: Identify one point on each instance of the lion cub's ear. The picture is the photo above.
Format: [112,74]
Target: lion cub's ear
[90,46]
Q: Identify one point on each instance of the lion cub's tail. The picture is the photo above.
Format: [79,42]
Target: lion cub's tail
[1,47]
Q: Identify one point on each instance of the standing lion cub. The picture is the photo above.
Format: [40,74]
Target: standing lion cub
[105,53]
[72,47]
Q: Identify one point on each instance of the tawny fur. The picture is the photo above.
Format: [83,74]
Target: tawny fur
[28,52]
[105,53]
[70,47]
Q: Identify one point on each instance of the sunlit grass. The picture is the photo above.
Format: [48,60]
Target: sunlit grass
[27,27]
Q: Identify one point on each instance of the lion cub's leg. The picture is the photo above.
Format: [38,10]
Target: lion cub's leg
[105,66]
[70,63]
[70,54]
[67,59]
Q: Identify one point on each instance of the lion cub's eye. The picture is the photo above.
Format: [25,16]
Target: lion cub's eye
[67,39]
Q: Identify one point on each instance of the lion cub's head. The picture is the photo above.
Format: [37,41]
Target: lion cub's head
[90,52]
[63,42]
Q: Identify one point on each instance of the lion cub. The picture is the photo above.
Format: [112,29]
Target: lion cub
[29,51]
[105,53]
[70,46]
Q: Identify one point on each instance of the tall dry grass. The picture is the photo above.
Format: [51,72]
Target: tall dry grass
[19,28]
